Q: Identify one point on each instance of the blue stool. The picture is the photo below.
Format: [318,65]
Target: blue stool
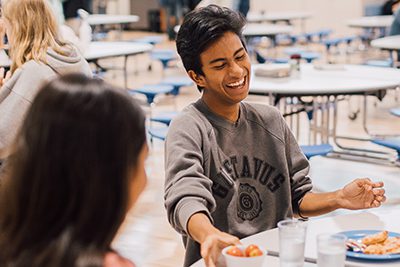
[164,56]
[390,142]
[385,63]
[158,132]
[348,39]
[261,59]
[316,150]
[395,111]
[164,118]
[293,50]
[177,83]
[309,56]
[331,42]
[151,39]
[151,91]
[281,39]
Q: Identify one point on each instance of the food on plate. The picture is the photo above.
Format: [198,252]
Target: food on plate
[375,238]
[249,251]
[380,244]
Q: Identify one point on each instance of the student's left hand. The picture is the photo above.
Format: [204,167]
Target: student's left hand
[362,194]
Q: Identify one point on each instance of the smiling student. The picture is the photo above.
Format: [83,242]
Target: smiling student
[234,169]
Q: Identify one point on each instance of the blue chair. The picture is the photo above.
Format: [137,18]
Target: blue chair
[316,150]
[164,56]
[151,39]
[385,63]
[395,111]
[309,56]
[151,91]
[331,43]
[177,83]
[390,142]
[158,133]
[164,118]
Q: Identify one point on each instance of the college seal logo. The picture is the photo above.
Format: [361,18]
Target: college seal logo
[249,202]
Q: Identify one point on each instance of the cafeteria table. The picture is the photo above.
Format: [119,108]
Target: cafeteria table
[265,30]
[274,17]
[371,22]
[384,218]
[327,84]
[102,50]
[390,43]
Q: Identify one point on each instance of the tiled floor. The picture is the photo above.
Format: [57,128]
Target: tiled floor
[147,238]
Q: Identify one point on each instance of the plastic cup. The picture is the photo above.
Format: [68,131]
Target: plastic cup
[292,237]
[331,250]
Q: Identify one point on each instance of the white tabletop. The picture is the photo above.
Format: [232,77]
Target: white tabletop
[252,30]
[371,22]
[310,81]
[389,43]
[103,19]
[270,261]
[374,219]
[278,16]
[99,50]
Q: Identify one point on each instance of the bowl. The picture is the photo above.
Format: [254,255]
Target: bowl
[235,261]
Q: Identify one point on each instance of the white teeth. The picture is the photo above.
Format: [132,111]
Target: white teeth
[236,84]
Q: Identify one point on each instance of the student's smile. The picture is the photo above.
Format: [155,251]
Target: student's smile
[226,67]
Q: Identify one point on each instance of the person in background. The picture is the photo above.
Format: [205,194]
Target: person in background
[37,55]
[58,10]
[234,169]
[389,7]
[71,8]
[395,27]
[77,168]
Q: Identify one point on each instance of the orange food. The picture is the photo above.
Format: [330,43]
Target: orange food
[235,251]
[255,252]
[249,249]
[375,238]
[380,243]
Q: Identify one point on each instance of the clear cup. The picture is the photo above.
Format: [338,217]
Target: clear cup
[292,238]
[331,250]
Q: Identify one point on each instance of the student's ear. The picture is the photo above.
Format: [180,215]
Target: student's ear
[197,78]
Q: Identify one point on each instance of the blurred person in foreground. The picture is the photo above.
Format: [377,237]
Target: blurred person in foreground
[76,170]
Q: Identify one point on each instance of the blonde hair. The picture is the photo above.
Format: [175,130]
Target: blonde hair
[34,29]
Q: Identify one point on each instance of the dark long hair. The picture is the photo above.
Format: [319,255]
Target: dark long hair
[67,191]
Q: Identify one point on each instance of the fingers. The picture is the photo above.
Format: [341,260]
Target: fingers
[8,75]
[228,239]
[2,73]
[367,181]
[378,184]
[378,191]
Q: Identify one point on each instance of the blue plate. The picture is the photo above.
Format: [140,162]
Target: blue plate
[359,234]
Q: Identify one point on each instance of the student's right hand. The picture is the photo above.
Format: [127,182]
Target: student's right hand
[213,244]
[211,239]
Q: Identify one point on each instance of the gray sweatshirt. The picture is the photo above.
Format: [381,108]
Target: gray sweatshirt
[17,94]
[246,176]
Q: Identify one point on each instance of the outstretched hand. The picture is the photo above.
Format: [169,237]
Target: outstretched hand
[362,194]
[212,246]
